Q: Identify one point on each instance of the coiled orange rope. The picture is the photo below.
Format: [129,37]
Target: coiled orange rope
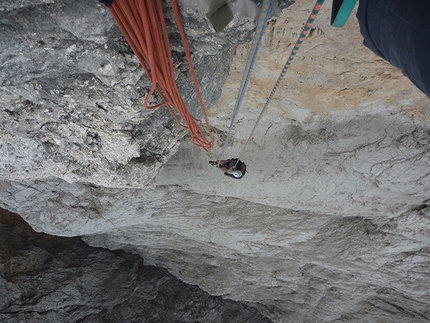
[143,25]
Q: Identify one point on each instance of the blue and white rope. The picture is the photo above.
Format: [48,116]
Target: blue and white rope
[261,25]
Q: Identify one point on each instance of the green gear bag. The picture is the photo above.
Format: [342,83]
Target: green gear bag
[219,14]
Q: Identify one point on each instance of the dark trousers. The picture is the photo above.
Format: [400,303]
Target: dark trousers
[399,32]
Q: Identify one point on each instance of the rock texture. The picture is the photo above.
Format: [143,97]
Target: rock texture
[294,266]
[330,224]
[52,279]
[72,93]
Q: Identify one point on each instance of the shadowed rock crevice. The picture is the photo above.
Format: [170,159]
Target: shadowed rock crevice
[53,279]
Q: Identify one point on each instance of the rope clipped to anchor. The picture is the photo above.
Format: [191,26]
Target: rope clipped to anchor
[256,42]
[296,47]
[143,24]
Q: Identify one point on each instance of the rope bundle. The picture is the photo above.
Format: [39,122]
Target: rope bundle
[143,25]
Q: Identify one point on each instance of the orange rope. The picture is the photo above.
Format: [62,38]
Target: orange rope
[143,25]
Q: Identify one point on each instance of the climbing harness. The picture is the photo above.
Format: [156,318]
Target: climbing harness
[143,24]
[256,42]
[296,47]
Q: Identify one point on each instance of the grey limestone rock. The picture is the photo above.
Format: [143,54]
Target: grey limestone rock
[71,93]
[331,222]
[54,279]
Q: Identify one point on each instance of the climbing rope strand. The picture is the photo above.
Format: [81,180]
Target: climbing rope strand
[120,14]
[305,31]
[144,27]
[261,25]
[190,63]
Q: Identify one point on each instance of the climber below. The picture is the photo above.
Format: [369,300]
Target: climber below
[234,168]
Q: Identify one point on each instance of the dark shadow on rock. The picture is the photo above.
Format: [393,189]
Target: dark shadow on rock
[45,278]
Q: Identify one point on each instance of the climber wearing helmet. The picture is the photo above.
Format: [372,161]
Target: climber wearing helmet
[233,167]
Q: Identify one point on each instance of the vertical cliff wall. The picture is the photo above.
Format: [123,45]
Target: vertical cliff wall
[330,223]
[72,93]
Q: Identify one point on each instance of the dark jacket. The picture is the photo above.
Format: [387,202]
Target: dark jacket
[240,166]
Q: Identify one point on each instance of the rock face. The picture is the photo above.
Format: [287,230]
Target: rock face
[330,224]
[72,93]
[53,279]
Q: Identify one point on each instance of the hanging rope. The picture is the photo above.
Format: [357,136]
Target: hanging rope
[261,25]
[143,25]
[308,26]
